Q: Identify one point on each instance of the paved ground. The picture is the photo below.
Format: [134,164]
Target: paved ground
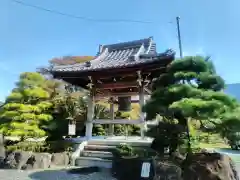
[54,174]
[60,174]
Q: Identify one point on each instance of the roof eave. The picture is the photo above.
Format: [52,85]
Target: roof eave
[157,59]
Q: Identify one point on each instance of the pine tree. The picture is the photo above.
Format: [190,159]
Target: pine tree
[190,89]
[27,110]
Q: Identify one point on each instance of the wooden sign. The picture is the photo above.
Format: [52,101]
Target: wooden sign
[72,129]
[145,172]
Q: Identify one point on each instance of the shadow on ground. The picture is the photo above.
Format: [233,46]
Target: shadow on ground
[62,174]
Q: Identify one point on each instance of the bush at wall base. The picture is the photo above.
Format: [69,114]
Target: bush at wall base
[127,164]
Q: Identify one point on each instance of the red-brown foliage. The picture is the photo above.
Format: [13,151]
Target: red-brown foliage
[69,60]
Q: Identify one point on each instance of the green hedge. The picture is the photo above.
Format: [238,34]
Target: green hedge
[127,150]
[51,146]
[29,146]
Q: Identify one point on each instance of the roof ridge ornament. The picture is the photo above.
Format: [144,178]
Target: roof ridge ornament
[100,48]
[136,56]
[150,45]
[100,56]
[88,63]
[169,52]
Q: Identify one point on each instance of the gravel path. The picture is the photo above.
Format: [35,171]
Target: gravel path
[51,174]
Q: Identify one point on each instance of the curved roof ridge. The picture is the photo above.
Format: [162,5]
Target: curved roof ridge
[134,43]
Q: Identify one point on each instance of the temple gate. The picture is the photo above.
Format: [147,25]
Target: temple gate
[119,72]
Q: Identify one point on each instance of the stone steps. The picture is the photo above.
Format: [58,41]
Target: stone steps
[92,147]
[93,161]
[140,143]
[98,154]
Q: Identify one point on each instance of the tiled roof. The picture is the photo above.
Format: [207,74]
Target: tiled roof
[117,56]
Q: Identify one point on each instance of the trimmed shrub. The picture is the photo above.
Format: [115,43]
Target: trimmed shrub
[51,147]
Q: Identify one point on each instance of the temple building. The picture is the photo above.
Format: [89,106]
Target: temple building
[118,72]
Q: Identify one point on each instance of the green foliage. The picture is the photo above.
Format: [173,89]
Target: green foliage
[124,150]
[67,108]
[119,130]
[51,147]
[27,109]
[131,130]
[166,135]
[134,130]
[59,146]
[29,146]
[100,112]
[98,130]
[229,127]
[191,89]
[184,83]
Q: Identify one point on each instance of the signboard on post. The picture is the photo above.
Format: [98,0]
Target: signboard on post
[72,129]
[145,172]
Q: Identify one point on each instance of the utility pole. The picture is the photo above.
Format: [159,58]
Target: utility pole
[181,56]
[179,37]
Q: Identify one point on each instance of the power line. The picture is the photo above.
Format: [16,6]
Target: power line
[80,17]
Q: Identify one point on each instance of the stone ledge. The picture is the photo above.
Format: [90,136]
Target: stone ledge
[26,160]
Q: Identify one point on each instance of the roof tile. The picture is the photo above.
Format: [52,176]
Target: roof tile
[118,55]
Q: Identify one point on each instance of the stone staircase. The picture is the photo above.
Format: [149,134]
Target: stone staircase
[96,155]
[99,152]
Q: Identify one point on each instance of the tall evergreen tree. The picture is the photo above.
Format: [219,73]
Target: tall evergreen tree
[27,110]
[190,89]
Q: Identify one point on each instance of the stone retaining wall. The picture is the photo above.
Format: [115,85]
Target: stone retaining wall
[30,160]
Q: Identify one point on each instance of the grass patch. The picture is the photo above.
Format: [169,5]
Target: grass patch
[213,145]
[235,158]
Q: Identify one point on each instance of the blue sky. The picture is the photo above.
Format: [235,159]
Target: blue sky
[30,37]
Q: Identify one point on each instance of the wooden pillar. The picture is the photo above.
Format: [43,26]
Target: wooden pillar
[90,114]
[141,104]
[111,126]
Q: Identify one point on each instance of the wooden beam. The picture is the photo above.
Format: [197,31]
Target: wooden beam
[82,80]
[100,96]
[116,85]
[132,101]
[116,121]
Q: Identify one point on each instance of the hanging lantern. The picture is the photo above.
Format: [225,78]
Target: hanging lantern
[124,103]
